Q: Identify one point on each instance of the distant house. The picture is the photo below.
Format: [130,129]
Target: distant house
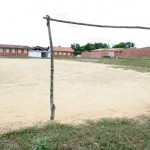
[63,52]
[59,52]
[40,52]
[118,52]
[14,50]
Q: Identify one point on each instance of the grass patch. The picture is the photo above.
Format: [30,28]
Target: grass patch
[138,64]
[105,134]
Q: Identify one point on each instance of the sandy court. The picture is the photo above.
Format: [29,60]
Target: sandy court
[83,91]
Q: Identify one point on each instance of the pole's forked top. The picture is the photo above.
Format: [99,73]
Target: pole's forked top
[48,19]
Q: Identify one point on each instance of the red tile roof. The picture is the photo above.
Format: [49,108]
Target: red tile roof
[62,49]
[14,46]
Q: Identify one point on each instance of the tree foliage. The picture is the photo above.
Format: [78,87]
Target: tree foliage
[124,45]
[78,49]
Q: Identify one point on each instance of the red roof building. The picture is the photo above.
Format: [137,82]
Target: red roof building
[14,50]
[63,52]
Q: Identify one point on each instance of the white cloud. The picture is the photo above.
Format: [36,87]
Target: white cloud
[22,21]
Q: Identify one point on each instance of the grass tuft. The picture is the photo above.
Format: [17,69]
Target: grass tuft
[105,134]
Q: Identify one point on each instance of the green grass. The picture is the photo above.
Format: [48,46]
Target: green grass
[105,134]
[138,64]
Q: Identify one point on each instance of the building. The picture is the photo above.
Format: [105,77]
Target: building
[59,52]
[63,52]
[14,50]
[99,53]
[118,53]
[40,52]
[134,53]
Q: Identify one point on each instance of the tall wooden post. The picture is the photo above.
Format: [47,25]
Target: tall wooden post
[52,105]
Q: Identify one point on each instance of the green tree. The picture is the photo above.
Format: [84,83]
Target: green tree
[129,44]
[87,47]
[101,45]
[124,45]
[77,48]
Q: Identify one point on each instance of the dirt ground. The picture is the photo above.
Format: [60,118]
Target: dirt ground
[83,91]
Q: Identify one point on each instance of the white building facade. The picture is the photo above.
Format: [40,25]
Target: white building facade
[39,52]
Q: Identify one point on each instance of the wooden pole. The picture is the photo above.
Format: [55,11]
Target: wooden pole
[101,26]
[52,105]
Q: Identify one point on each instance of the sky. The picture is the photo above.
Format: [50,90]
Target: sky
[22,23]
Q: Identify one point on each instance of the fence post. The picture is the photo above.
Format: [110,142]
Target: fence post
[52,105]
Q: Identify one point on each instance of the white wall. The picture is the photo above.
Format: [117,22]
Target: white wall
[49,54]
[33,53]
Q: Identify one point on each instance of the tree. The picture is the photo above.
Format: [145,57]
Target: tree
[101,45]
[87,47]
[129,44]
[77,48]
[124,45]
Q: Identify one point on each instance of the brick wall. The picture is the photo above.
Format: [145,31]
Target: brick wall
[134,53]
[63,54]
[23,54]
[96,54]
[14,52]
[124,53]
[91,54]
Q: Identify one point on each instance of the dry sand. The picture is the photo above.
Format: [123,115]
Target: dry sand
[83,91]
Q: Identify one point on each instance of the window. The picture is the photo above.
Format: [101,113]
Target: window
[13,51]
[55,53]
[25,51]
[68,54]
[60,53]
[7,50]
[1,50]
[19,51]
[64,53]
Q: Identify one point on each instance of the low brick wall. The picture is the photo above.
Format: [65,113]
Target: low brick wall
[91,54]
[134,53]
[123,53]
